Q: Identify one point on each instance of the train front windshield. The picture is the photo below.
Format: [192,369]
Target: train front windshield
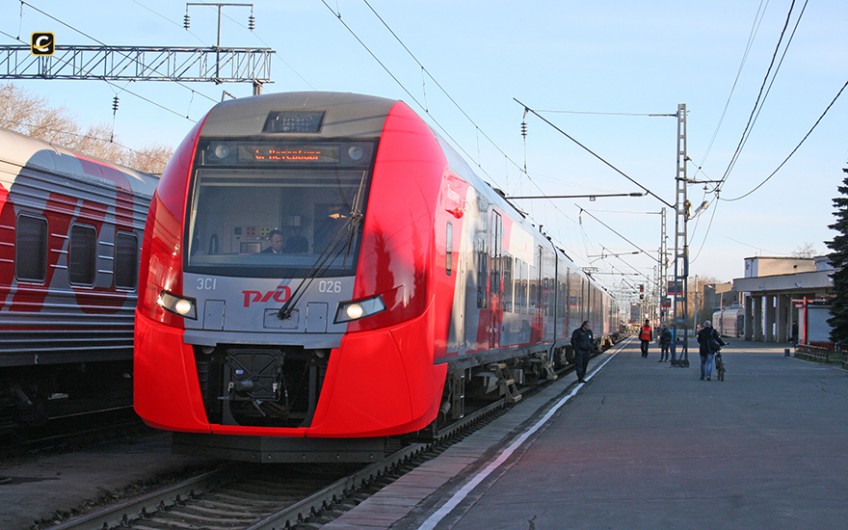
[277,208]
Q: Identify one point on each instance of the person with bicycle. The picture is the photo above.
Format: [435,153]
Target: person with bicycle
[709,343]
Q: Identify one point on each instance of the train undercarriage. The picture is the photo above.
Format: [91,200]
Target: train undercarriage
[33,396]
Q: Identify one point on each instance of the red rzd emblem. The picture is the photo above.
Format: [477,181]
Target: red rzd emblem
[280,294]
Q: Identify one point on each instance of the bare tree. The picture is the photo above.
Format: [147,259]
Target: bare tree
[807,250]
[33,117]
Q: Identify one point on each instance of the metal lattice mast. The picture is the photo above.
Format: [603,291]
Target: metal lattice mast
[681,245]
[139,63]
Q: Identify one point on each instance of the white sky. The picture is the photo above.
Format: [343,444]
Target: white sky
[604,65]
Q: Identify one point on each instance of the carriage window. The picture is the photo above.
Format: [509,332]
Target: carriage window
[126,260]
[31,249]
[82,255]
[508,286]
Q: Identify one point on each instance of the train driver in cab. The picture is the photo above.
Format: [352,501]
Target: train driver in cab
[276,243]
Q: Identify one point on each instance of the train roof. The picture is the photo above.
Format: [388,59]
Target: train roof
[345,115]
[23,151]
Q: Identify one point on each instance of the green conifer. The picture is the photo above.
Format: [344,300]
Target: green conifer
[839,259]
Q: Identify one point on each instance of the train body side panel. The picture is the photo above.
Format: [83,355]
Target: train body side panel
[164,364]
[381,383]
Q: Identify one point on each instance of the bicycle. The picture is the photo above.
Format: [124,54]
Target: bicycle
[719,363]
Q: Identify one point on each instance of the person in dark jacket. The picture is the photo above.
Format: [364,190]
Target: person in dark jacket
[709,343]
[665,343]
[583,343]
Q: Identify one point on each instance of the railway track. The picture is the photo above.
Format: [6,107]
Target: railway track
[266,496]
[276,496]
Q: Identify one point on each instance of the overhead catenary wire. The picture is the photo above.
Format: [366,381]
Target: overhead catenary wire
[763,92]
[123,89]
[596,155]
[422,105]
[795,150]
[643,251]
[255,34]
[86,136]
[98,41]
[758,19]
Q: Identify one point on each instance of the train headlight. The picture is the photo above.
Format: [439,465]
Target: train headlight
[222,151]
[354,310]
[356,152]
[179,305]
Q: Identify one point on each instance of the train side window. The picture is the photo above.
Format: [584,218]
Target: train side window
[508,284]
[82,257]
[449,250]
[126,260]
[31,248]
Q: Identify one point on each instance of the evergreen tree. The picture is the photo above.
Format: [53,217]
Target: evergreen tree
[839,259]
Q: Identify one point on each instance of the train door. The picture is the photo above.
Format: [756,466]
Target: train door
[495,287]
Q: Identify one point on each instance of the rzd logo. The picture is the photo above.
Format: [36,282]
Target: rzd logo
[42,43]
[280,294]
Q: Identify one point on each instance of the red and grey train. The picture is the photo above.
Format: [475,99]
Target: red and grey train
[321,271]
[70,241]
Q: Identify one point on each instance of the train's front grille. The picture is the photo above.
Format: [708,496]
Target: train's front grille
[260,386]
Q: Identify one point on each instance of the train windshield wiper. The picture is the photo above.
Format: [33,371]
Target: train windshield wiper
[342,241]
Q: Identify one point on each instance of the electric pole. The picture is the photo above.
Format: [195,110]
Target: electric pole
[681,245]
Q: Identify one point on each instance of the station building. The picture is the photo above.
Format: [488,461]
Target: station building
[778,292]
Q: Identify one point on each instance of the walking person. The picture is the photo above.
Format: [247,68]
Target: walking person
[709,343]
[583,343]
[665,344]
[646,334]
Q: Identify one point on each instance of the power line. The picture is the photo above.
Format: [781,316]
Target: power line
[758,19]
[616,233]
[423,105]
[763,92]
[114,85]
[596,155]
[84,136]
[804,139]
[84,34]
[253,32]
[436,81]
[591,113]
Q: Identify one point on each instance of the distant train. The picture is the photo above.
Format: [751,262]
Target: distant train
[729,322]
[323,266]
[70,240]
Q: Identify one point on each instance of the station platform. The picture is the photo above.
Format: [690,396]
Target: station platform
[644,445]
